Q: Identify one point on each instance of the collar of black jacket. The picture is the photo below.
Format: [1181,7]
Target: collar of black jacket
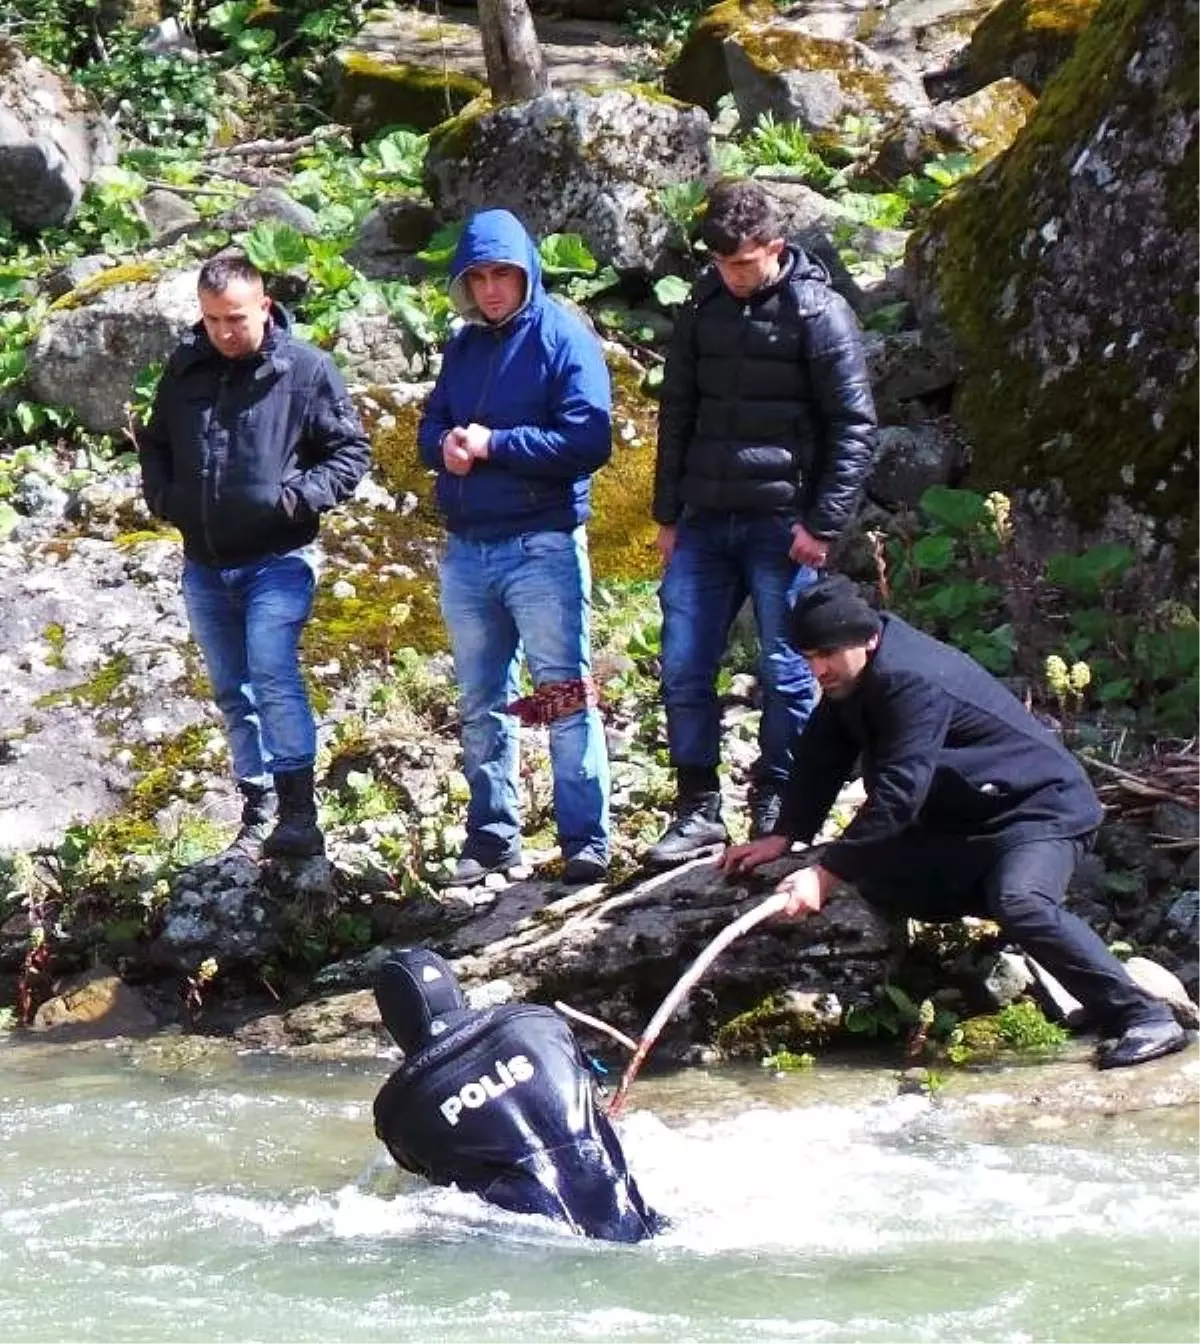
[796,266]
[270,357]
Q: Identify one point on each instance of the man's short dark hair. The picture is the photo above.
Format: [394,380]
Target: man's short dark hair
[737,212]
[217,272]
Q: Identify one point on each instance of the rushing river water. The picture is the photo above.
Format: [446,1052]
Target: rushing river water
[246,1201]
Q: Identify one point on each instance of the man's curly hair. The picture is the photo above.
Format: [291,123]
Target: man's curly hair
[737,212]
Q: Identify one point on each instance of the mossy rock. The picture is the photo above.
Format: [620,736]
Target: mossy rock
[1066,274]
[131,273]
[1027,39]
[373,93]
[699,74]
[622,532]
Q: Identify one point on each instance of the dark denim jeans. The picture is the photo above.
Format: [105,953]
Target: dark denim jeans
[721,559]
[248,621]
[529,593]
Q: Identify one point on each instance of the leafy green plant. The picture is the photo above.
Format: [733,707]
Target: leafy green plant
[776,144]
[787,1061]
[936,178]
[671,291]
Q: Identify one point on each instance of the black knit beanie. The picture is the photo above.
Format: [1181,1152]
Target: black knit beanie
[831,615]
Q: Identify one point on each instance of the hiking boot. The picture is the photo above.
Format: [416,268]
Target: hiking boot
[258,811]
[697,827]
[476,862]
[296,834]
[588,865]
[1140,1043]
[766,803]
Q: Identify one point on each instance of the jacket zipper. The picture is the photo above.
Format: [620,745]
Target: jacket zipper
[485,387]
[211,467]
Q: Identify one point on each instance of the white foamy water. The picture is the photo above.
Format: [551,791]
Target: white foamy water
[251,1204]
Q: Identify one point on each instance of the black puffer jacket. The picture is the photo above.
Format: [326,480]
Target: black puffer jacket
[244,455]
[766,404]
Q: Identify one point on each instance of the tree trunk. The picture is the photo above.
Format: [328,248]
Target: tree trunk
[515,69]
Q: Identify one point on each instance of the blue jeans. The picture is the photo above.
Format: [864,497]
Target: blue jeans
[529,593]
[248,621]
[720,559]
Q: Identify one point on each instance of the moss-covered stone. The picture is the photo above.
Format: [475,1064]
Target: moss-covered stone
[622,532]
[699,74]
[769,1027]
[373,93]
[132,273]
[1067,273]
[1027,39]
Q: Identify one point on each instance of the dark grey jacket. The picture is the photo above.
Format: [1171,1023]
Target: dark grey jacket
[244,455]
[944,747]
[766,403]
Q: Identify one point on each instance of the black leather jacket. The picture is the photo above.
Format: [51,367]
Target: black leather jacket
[244,455]
[503,1105]
[766,403]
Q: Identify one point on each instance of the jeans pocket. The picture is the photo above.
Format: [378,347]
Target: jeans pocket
[541,544]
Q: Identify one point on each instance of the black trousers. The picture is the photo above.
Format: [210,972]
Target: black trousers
[938,878]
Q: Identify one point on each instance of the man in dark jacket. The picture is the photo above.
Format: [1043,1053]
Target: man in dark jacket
[517,422]
[766,432]
[252,438]
[972,808]
[500,1103]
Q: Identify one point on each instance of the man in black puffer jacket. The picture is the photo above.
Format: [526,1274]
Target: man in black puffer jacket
[252,437]
[766,431]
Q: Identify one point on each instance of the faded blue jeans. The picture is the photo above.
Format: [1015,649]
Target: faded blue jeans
[529,593]
[720,559]
[248,621]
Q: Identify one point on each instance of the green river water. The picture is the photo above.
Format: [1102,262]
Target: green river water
[247,1200]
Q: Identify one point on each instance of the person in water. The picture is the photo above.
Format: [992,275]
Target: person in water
[973,808]
[501,1103]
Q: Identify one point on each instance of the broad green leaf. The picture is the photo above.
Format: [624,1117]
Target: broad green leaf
[9,518]
[934,552]
[275,247]
[566,254]
[958,510]
[439,251]
[672,290]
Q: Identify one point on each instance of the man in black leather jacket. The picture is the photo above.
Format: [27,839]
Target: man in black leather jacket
[500,1103]
[766,431]
[973,807]
[252,437]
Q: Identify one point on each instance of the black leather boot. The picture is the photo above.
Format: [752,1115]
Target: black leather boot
[258,811]
[697,827]
[297,835]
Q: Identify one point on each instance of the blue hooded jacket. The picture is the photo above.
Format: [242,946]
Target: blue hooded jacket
[537,380]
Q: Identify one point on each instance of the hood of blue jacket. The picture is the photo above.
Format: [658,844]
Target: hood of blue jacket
[493,236]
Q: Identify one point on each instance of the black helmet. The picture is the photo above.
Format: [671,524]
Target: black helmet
[418,997]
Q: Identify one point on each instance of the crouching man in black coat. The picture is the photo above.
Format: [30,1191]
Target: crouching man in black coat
[973,808]
[500,1102]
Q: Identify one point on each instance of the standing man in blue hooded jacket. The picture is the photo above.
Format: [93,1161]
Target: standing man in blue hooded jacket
[518,420]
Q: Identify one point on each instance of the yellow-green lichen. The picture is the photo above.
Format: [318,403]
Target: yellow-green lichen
[1028,39]
[622,531]
[778,47]
[96,692]
[133,273]
[450,139]
[374,93]
[699,74]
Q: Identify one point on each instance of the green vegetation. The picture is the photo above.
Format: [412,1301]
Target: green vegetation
[1130,658]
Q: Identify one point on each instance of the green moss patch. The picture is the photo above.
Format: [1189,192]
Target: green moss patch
[373,94]
[1029,39]
[1066,273]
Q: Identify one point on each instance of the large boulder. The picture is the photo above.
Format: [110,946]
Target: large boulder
[983,125]
[99,337]
[52,140]
[575,162]
[791,68]
[1025,39]
[1066,274]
